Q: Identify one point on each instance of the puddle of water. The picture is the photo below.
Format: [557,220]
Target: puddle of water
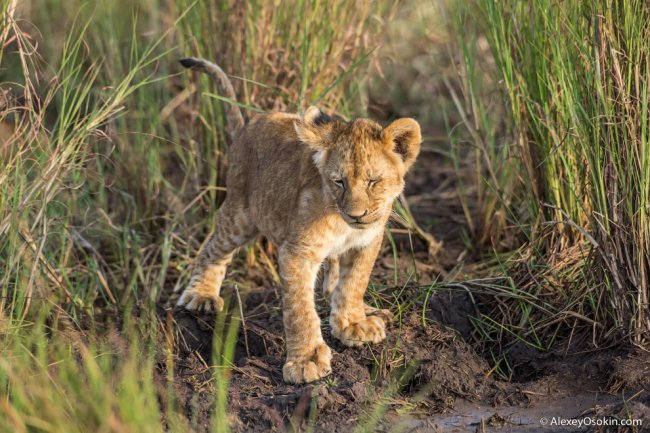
[470,417]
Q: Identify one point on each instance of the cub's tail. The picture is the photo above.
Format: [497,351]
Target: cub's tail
[233,115]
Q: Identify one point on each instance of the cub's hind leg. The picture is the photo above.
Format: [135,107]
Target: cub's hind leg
[234,229]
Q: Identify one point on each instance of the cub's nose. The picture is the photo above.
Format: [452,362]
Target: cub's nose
[357,216]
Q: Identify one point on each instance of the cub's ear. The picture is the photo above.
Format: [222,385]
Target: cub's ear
[313,128]
[404,138]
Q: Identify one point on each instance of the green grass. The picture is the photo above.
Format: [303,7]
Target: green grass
[64,385]
[567,175]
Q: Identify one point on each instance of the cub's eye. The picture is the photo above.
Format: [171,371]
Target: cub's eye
[372,182]
[339,182]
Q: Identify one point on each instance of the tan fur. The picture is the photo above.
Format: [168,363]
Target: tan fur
[321,190]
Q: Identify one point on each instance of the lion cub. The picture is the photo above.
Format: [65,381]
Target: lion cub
[322,191]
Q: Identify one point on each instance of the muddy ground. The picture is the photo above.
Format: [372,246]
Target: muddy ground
[428,376]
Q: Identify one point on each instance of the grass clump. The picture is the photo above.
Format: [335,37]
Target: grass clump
[570,172]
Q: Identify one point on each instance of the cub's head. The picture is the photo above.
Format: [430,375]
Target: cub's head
[362,164]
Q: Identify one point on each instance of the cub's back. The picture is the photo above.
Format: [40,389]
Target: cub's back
[270,166]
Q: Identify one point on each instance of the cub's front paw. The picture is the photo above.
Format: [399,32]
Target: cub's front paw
[199,301]
[383,314]
[310,368]
[372,329]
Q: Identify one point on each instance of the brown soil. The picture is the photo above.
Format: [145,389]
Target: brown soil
[428,373]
